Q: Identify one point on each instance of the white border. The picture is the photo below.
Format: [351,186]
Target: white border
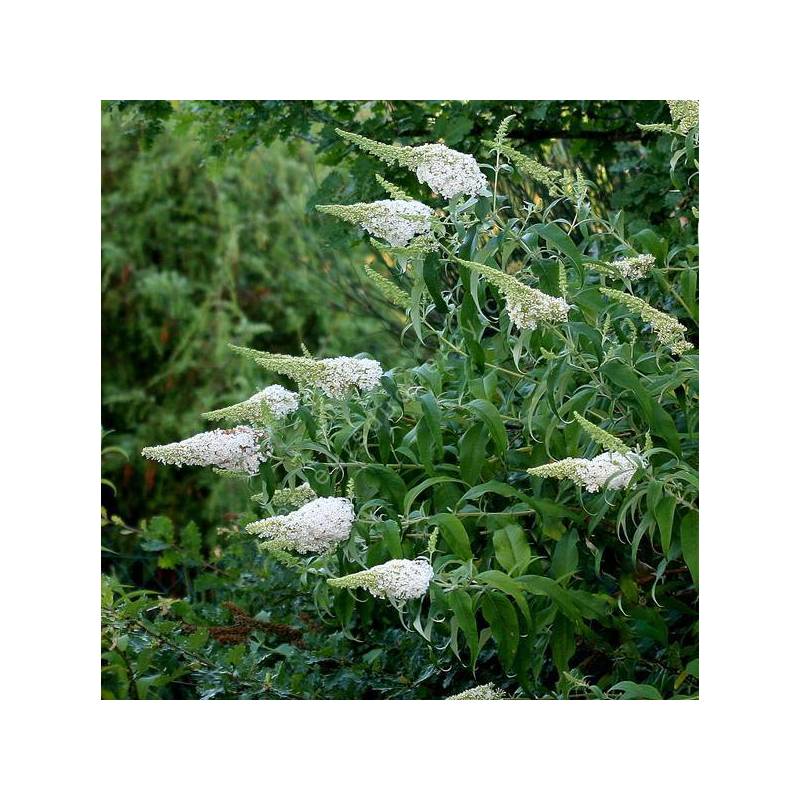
[60,59]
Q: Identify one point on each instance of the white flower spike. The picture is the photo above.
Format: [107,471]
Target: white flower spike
[241,449]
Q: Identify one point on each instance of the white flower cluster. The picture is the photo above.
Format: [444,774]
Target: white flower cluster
[241,449]
[485,692]
[337,376]
[399,579]
[634,268]
[667,329]
[527,307]
[316,527]
[608,470]
[279,403]
[397,221]
[448,172]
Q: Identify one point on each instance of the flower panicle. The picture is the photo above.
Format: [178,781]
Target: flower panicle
[391,291]
[685,114]
[531,168]
[487,691]
[391,154]
[273,402]
[235,450]
[289,498]
[633,268]
[398,579]
[419,245]
[602,437]
[502,131]
[446,171]
[609,470]
[394,191]
[527,307]
[316,527]
[667,329]
[334,377]
[396,221]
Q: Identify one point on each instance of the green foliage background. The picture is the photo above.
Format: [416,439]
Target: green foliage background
[209,237]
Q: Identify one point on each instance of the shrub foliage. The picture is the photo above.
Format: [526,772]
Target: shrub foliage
[540,452]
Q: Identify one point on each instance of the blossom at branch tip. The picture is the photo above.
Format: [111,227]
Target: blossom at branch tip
[685,114]
[667,329]
[277,401]
[608,470]
[396,221]
[602,437]
[446,171]
[527,307]
[241,449]
[633,268]
[391,291]
[316,527]
[487,691]
[398,579]
[335,377]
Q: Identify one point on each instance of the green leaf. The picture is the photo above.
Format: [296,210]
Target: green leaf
[636,691]
[472,452]
[562,642]
[511,548]
[489,415]
[505,583]
[690,544]
[565,556]
[376,480]
[660,422]
[432,275]
[390,531]
[461,606]
[414,493]
[559,241]
[454,535]
[538,584]
[664,513]
[492,487]
[425,445]
[502,619]
[268,481]
[433,416]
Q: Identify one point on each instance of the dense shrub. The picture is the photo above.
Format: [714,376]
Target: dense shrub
[549,331]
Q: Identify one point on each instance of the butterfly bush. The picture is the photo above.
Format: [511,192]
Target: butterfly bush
[448,172]
[633,268]
[241,449]
[561,351]
[667,329]
[277,401]
[487,691]
[339,375]
[335,377]
[316,527]
[396,221]
[291,497]
[605,471]
[399,579]
[527,307]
